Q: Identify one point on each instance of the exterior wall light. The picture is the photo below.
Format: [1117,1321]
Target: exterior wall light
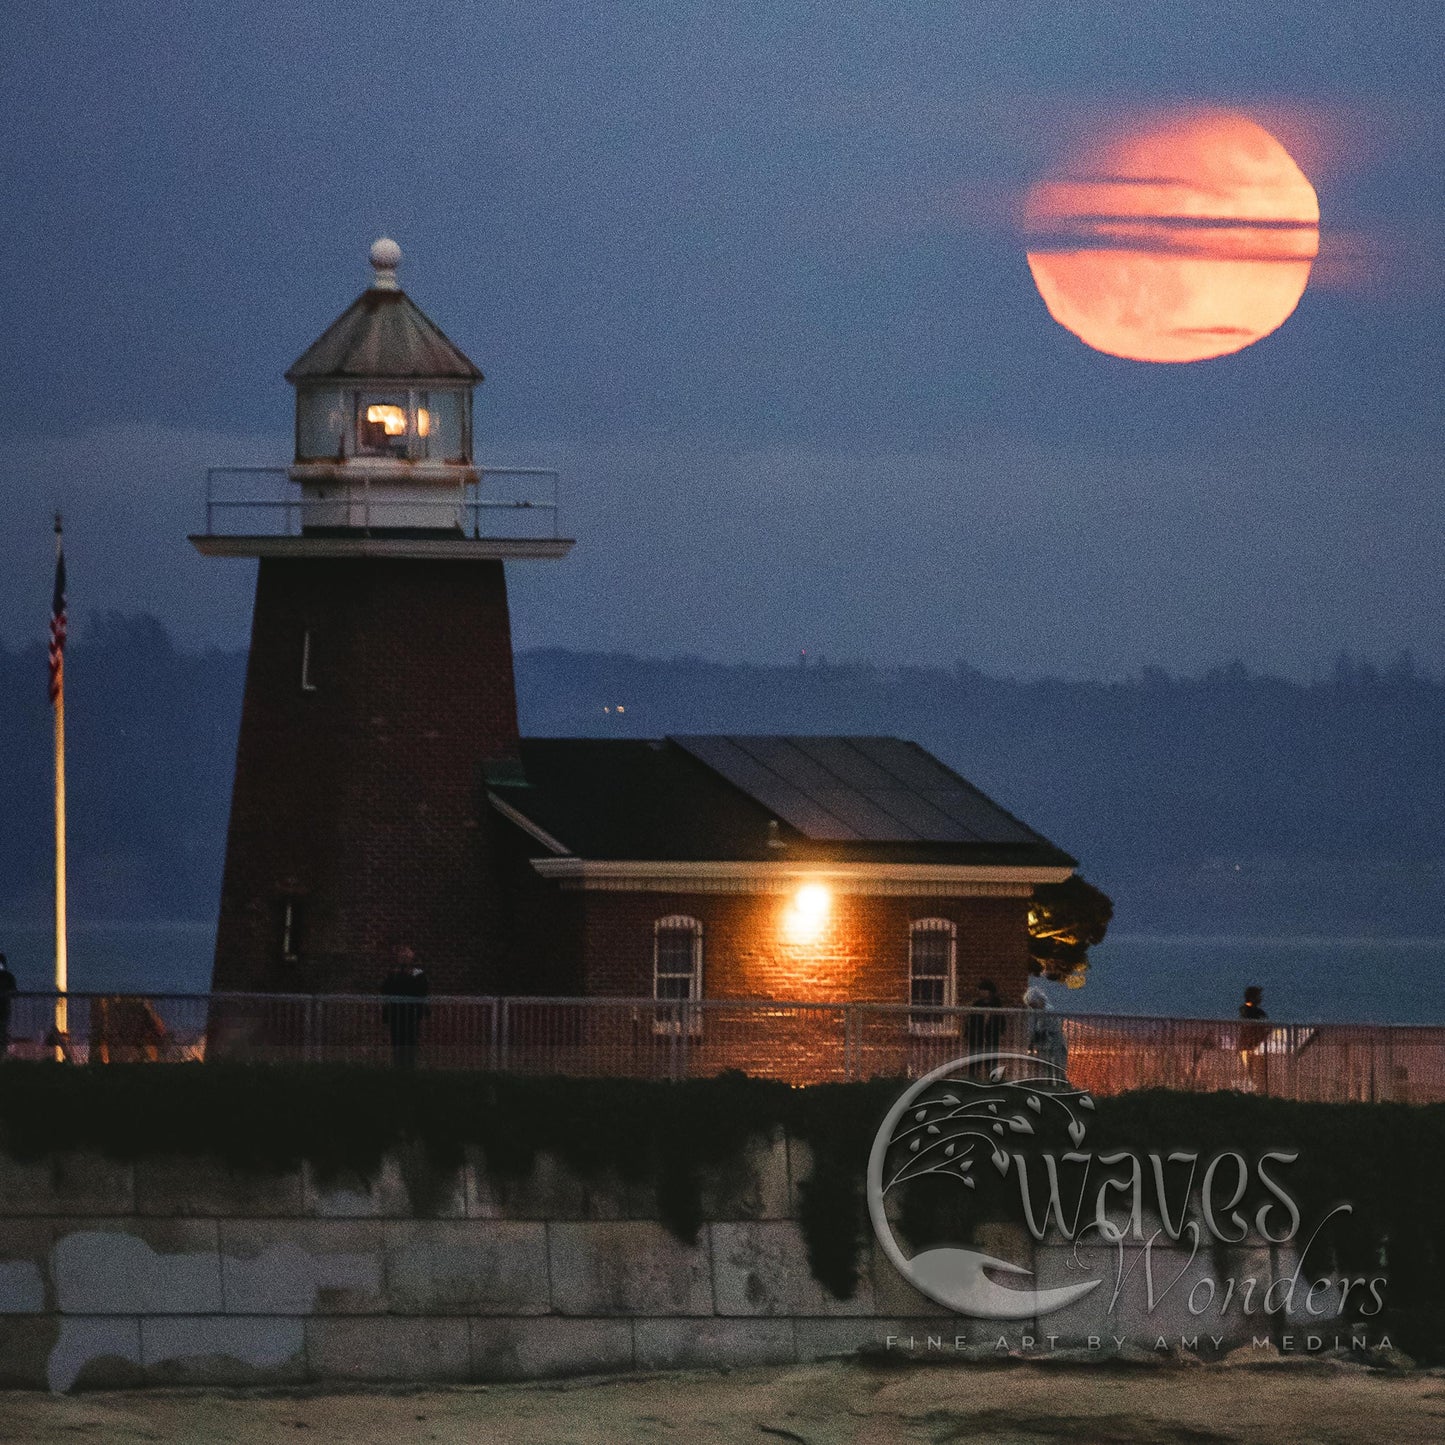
[805,919]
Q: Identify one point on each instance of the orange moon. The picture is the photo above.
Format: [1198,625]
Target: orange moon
[1176,241]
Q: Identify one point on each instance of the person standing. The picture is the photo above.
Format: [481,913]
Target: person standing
[1046,1030]
[1254,1040]
[405,989]
[1253,1005]
[7,997]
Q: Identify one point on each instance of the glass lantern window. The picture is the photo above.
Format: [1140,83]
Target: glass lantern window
[442,425]
[320,424]
[383,424]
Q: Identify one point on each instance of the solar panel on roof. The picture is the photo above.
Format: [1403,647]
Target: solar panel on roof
[843,762]
[904,761]
[837,778]
[922,816]
[727,756]
[956,797]
[899,792]
[839,789]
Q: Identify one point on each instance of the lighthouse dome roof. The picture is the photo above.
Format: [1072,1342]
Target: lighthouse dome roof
[384,333]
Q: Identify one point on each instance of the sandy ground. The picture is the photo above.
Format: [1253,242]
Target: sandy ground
[830,1404]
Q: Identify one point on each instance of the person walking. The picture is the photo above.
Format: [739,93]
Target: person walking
[405,989]
[7,998]
[1046,1030]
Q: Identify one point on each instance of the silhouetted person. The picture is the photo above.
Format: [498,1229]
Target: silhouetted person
[7,996]
[985,1027]
[406,989]
[1253,1039]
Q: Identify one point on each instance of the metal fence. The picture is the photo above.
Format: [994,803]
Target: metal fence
[799,1042]
[263,501]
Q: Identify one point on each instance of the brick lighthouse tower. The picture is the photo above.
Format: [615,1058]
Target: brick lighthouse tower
[379,697]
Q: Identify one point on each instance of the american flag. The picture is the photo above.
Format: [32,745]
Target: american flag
[58,622]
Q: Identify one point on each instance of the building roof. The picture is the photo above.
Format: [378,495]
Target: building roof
[836,799]
[383,333]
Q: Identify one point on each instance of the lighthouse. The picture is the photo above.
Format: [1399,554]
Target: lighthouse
[379,705]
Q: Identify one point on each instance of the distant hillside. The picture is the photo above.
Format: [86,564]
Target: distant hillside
[1228,802]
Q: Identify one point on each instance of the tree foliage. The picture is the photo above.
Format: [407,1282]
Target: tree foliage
[1066,920]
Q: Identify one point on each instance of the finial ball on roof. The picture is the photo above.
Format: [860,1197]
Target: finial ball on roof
[385,257]
[385,252]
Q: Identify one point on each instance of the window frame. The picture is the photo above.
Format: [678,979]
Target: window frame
[337,398]
[682,1016]
[933,1024]
[293,928]
[308,683]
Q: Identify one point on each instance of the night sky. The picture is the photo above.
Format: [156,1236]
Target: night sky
[749,275]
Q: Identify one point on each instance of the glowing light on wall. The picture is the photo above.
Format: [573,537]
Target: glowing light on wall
[806,919]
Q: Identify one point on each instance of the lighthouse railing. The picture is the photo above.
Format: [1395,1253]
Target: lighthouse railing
[266,502]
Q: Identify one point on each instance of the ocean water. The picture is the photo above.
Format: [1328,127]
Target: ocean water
[1311,980]
[1305,979]
[139,957]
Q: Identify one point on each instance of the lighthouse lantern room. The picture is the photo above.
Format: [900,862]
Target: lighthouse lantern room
[384,416]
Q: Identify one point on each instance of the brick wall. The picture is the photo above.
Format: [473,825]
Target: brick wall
[861,955]
[362,799]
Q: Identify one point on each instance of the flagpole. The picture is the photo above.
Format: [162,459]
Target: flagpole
[62,963]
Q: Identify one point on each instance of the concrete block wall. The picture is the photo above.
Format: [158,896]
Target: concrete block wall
[179,1271]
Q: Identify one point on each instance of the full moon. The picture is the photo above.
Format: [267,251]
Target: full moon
[1176,241]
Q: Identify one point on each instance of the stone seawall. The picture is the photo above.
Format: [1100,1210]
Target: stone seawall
[181,1271]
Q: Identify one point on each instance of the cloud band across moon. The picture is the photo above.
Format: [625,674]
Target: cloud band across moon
[1182,235]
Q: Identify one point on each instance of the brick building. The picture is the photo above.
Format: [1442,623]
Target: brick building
[383,795]
[803,868]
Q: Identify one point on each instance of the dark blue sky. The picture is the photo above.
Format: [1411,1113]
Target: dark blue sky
[746,273]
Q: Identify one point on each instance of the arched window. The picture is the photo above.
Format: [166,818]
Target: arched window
[932,974]
[677,972]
